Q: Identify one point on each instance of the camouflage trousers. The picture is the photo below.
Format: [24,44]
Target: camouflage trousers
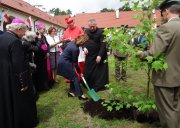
[120,69]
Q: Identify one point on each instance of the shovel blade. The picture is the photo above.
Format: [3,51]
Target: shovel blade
[93,95]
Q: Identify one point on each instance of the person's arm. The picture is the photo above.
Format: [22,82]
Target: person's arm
[18,64]
[52,44]
[75,54]
[65,38]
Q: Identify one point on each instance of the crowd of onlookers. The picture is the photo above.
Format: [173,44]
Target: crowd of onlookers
[30,62]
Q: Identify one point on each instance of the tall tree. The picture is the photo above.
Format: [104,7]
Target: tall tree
[107,10]
[69,12]
[57,11]
[125,8]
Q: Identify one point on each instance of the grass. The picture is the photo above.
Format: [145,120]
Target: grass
[56,110]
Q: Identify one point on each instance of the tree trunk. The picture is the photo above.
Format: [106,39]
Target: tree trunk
[148,82]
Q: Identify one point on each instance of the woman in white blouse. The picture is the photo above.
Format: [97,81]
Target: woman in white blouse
[53,42]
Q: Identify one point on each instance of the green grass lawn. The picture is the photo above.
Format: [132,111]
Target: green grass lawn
[57,110]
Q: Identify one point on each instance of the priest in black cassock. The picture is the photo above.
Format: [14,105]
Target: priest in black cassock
[17,101]
[96,63]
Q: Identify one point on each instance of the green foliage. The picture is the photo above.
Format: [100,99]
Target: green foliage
[125,8]
[144,104]
[120,38]
[157,63]
[107,10]
[122,97]
[112,105]
[57,11]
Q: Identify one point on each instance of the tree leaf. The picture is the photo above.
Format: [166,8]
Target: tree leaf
[109,108]
[149,59]
[157,65]
[165,66]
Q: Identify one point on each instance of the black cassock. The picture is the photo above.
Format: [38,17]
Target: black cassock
[96,74]
[17,109]
[40,76]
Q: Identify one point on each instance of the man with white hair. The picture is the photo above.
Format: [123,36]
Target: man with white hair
[17,103]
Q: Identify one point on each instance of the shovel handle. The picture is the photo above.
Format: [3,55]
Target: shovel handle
[85,83]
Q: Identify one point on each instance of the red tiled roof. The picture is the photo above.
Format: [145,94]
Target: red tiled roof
[31,10]
[108,19]
[62,19]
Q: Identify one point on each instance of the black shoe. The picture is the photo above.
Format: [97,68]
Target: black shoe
[82,98]
[70,94]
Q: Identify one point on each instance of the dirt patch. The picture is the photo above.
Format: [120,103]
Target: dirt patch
[150,117]
[97,109]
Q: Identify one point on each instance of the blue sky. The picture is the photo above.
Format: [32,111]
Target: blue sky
[78,6]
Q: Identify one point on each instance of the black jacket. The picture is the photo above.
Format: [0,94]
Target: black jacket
[17,109]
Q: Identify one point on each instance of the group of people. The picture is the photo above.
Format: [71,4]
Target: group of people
[84,55]
[17,97]
[28,63]
[31,62]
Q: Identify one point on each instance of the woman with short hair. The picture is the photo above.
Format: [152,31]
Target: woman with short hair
[53,44]
[68,66]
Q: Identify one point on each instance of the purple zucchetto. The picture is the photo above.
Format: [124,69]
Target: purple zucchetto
[39,25]
[17,20]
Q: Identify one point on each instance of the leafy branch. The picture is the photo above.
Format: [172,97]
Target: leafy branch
[120,39]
